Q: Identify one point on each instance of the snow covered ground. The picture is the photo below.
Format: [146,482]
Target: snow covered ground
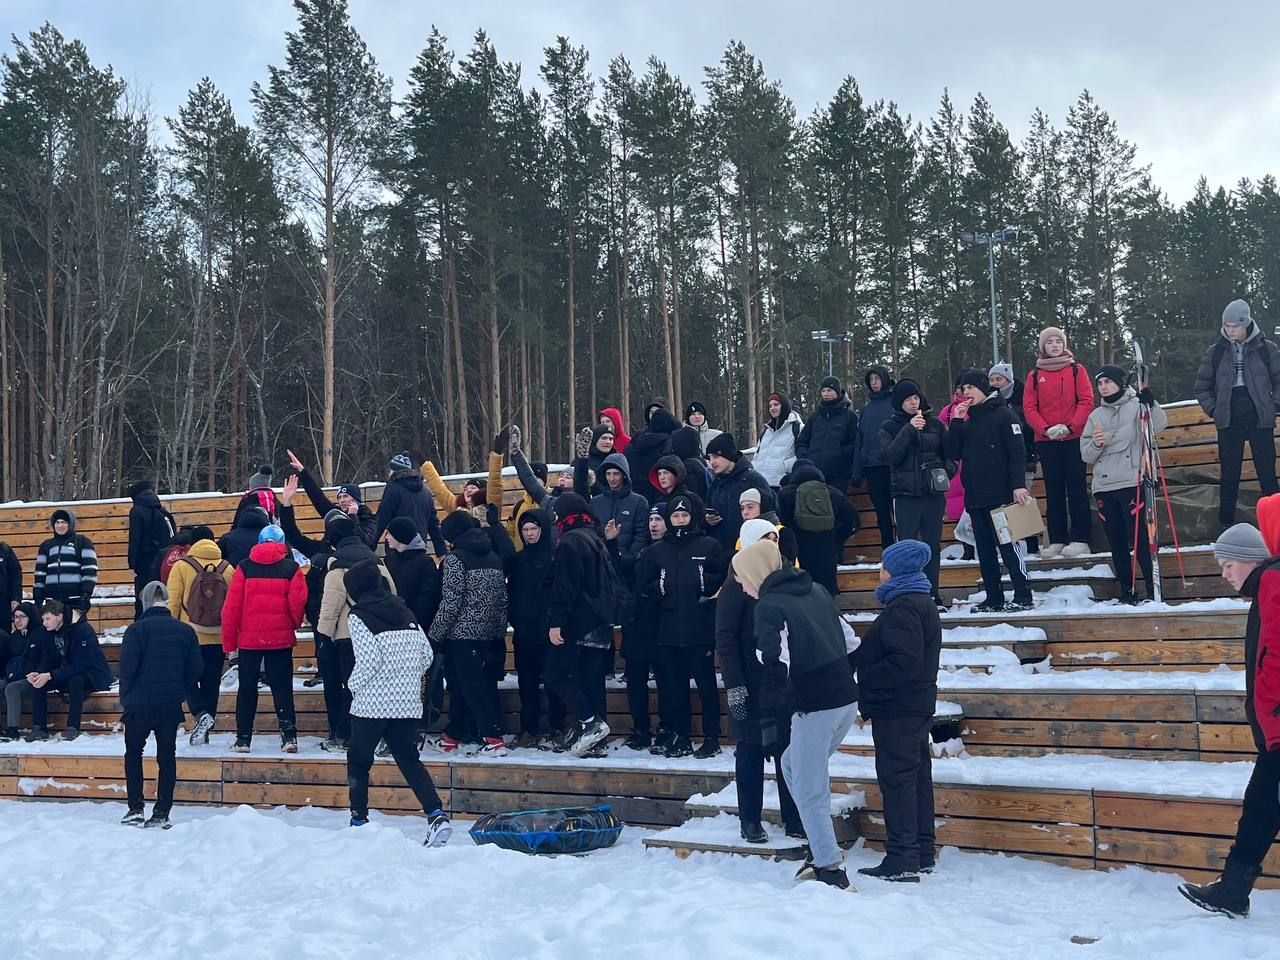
[245,884]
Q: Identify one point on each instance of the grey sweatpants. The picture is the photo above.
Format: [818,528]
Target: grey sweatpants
[13,692]
[814,738]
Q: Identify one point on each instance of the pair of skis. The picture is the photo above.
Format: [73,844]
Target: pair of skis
[1151,476]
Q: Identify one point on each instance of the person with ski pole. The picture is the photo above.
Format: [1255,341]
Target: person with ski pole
[1115,442]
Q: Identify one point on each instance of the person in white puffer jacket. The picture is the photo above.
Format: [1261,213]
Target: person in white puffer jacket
[392,654]
[776,451]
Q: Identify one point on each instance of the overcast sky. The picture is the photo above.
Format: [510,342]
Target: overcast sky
[1195,85]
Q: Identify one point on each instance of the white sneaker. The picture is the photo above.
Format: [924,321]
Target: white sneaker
[1074,549]
[1052,551]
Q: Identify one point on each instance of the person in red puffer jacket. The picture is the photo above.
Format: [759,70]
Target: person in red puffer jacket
[1057,401]
[265,604]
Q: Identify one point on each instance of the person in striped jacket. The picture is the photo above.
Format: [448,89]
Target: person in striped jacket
[66,565]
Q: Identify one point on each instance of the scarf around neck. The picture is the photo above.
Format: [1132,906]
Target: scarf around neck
[900,586]
[1055,363]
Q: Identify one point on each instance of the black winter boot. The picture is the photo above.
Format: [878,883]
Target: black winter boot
[753,831]
[1229,894]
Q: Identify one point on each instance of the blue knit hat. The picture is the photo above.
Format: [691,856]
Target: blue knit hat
[352,490]
[271,534]
[906,557]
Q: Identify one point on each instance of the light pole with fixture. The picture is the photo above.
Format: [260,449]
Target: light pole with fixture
[989,240]
[825,336]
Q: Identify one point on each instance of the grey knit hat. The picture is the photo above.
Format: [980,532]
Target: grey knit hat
[262,478]
[400,462]
[1241,542]
[154,594]
[1002,369]
[1237,311]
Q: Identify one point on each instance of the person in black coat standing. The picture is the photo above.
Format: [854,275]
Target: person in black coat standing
[869,465]
[647,446]
[243,536]
[151,528]
[406,495]
[159,661]
[911,446]
[640,643]
[10,584]
[897,666]
[820,533]
[830,436]
[731,476]
[682,573]
[528,573]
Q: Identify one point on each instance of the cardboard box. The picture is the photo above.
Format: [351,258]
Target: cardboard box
[1016,521]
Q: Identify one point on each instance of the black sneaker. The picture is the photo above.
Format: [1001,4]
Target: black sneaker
[9,734]
[382,750]
[36,735]
[332,745]
[989,606]
[681,746]
[567,738]
[160,820]
[439,829]
[289,742]
[662,742]
[200,734]
[892,871]
[71,733]
[241,745]
[1019,604]
[834,877]
[710,748]
[928,865]
[796,832]
[1129,599]
[638,741]
[594,733]
[753,832]
[134,818]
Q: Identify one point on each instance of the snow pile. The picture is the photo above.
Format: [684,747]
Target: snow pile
[338,893]
[996,633]
[727,799]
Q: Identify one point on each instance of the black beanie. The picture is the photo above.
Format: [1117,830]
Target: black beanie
[340,528]
[832,382]
[567,504]
[694,407]
[1113,373]
[456,524]
[724,446]
[974,378]
[403,529]
[904,389]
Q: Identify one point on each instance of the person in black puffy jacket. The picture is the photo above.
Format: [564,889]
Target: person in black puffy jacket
[406,495]
[647,446]
[151,528]
[29,649]
[911,446]
[869,465]
[528,573]
[243,536]
[640,645]
[683,573]
[818,550]
[731,475]
[79,669]
[159,662]
[829,438]
[897,665]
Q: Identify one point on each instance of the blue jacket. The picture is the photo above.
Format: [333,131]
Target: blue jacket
[877,410]
[159,662]
[80,655]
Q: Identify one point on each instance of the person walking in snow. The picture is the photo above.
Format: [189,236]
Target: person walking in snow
[986,438]
[776,449]
[803,646]
[897,668]
[1248,561]
[391,657]
[1112,442]
[868,464]
[1056,403]
[159,662]
[1238,385]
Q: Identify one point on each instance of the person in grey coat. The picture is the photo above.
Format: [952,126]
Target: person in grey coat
[1237,384]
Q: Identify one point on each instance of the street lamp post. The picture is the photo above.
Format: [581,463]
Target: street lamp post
[989,240]
[825,336]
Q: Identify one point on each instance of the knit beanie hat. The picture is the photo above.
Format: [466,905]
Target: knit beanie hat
[753,531]
[1241,542]
[271,533]
[1045,334]
[750,495]
[400,462]
[1111,372]
[905,557]
[403,529]
[753,564]
[655,404]
[904,389]
[694,407]
[154,594]
[659,509]
[832,382]
[1237,312]
[262,478]
[332,515]
[340,528]
[29,608]
[724,446]
[568,504]
[974,378]
[456,524]
[1002,369]
[352,490]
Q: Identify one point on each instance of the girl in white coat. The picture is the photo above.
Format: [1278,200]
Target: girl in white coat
[776,451]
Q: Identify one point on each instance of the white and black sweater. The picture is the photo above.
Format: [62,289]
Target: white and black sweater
[473,602]
[386,682]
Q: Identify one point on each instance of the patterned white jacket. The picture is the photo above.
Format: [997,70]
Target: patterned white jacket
[386,682]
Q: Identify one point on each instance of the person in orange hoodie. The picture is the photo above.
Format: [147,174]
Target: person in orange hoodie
[613,417]
[1056,402]
[1249,563]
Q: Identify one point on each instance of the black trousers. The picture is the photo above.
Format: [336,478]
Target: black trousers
[137,727]
[749,761]
[1119,511]
[1262,446]
[76,686]
[278,666]
[990,551]
[880,490]
[203,695]
[335,659]
[920,518]
[401,736]
[682,664]
[576,674]
[532,651]
[1260,816]
[904,770]
[475,688]
[637,678]
[1065,491]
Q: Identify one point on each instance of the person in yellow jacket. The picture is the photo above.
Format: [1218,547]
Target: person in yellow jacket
[476,493]
[203,557]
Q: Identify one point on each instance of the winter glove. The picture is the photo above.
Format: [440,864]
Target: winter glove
[1146,397]
[1057,431]
[738,703]
[480,514]
[582,443]
[769,739]
[513,440]
[501,442]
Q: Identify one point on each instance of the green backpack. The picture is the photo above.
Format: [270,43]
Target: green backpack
[814,510]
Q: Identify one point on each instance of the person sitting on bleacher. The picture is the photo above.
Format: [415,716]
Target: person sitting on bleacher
[29,648]
[66,565]
[159,662]
[78,668]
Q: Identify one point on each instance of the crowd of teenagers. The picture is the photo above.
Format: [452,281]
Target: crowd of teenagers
[712,563]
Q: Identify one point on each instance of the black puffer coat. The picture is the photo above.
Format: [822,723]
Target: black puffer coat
[897,661]
[682,572]
[646,447]
[159,661]
[830,440]
[417,580]
[909,452]
[528,574]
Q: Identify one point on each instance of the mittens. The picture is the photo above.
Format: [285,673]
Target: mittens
[1057,431]
[513,440]
[737,697]
[582,443]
